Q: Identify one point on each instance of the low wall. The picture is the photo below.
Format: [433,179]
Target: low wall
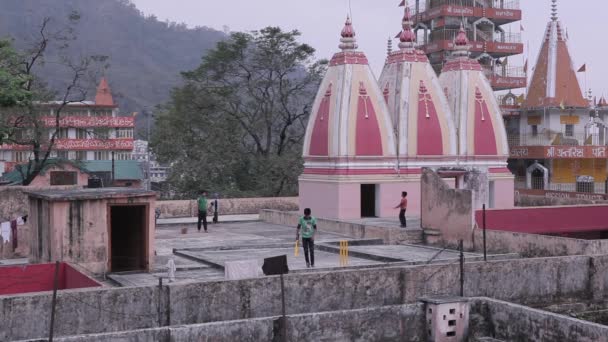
[529,281]
[228,206]
[534,245]
[391,323]
[512,322]
[547,220]
[389,235]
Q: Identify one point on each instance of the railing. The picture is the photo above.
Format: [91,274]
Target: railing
[500,4]
[538,184]
[505,71]
[556,139]
[482,36]
[508,37]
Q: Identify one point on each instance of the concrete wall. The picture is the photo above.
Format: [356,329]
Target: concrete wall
[534,245]
[523,200]
[512,322]
[547,220]
[228,206]
[528,281]
[449,211]
[388,235]
[390,323]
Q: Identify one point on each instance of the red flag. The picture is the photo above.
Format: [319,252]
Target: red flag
[583,68]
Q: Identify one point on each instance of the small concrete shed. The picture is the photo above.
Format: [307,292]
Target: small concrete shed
[103,230]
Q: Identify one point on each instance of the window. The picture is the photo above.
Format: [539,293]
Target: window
[63,178]
[81,155]
[122,156]
[62,154]
[534,130]
[101,133]
[101,155]
[22,156]
[124,133]
[81,133]
[101,112]
[62,133]
[569,130]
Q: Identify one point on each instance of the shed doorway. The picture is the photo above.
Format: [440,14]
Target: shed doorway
[368,200]
[128,238]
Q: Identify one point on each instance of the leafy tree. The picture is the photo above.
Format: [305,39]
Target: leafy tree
[237,125]
[21,112]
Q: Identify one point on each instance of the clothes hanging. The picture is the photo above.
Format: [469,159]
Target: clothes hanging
[20,221]
[5,231]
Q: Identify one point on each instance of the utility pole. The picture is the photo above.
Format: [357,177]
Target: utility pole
[149,183]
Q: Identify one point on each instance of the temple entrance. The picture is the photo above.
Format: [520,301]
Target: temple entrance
[128,238]
[368,200]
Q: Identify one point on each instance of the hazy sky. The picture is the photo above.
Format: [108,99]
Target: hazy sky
[320,22]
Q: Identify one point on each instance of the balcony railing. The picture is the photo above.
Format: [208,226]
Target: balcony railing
[482,36]
[500,4]
[505,71]
[556,139]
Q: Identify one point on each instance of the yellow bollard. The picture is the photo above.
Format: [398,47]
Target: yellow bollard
[343,253]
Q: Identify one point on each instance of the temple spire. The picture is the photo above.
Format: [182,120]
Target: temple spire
[407,36]
[348,40]
[554,10]
[461,42]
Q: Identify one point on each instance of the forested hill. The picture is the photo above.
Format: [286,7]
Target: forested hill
[146,55]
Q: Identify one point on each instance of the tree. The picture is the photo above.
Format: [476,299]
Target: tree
[21,114]
[237,125]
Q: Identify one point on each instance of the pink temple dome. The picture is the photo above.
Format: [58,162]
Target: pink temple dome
[348,31]
[462,39]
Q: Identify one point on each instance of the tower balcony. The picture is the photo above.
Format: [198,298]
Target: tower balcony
[506,77]
[495,44]
[500,12]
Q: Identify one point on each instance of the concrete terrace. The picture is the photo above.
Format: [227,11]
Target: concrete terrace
[201,256]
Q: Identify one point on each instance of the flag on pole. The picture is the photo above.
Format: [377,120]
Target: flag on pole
[583,68]
[526,66]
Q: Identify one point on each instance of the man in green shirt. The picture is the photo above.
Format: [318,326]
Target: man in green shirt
[202,210]
[308,227]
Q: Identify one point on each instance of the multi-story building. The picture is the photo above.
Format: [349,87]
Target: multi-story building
[438,22]
[561,140]
[154,172]
[89,130]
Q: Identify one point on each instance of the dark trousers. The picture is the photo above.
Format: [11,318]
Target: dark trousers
[202,215]
[402,218]
[309,247]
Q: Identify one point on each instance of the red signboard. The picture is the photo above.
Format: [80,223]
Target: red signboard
[91,121]
[478,12]
[93,144]
[81,145]
[558,152]
[508,82]
[492,47]
[562,194]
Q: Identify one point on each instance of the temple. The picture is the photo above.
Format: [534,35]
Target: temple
[367,140]
[560,140]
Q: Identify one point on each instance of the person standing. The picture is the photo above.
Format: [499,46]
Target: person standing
[202,210]
[215,203]
[307,226]
[402,206]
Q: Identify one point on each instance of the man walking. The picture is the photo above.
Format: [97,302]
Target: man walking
[403,208]
[202,210]
[308,227]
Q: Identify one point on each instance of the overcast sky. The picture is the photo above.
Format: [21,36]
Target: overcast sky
[320,22]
